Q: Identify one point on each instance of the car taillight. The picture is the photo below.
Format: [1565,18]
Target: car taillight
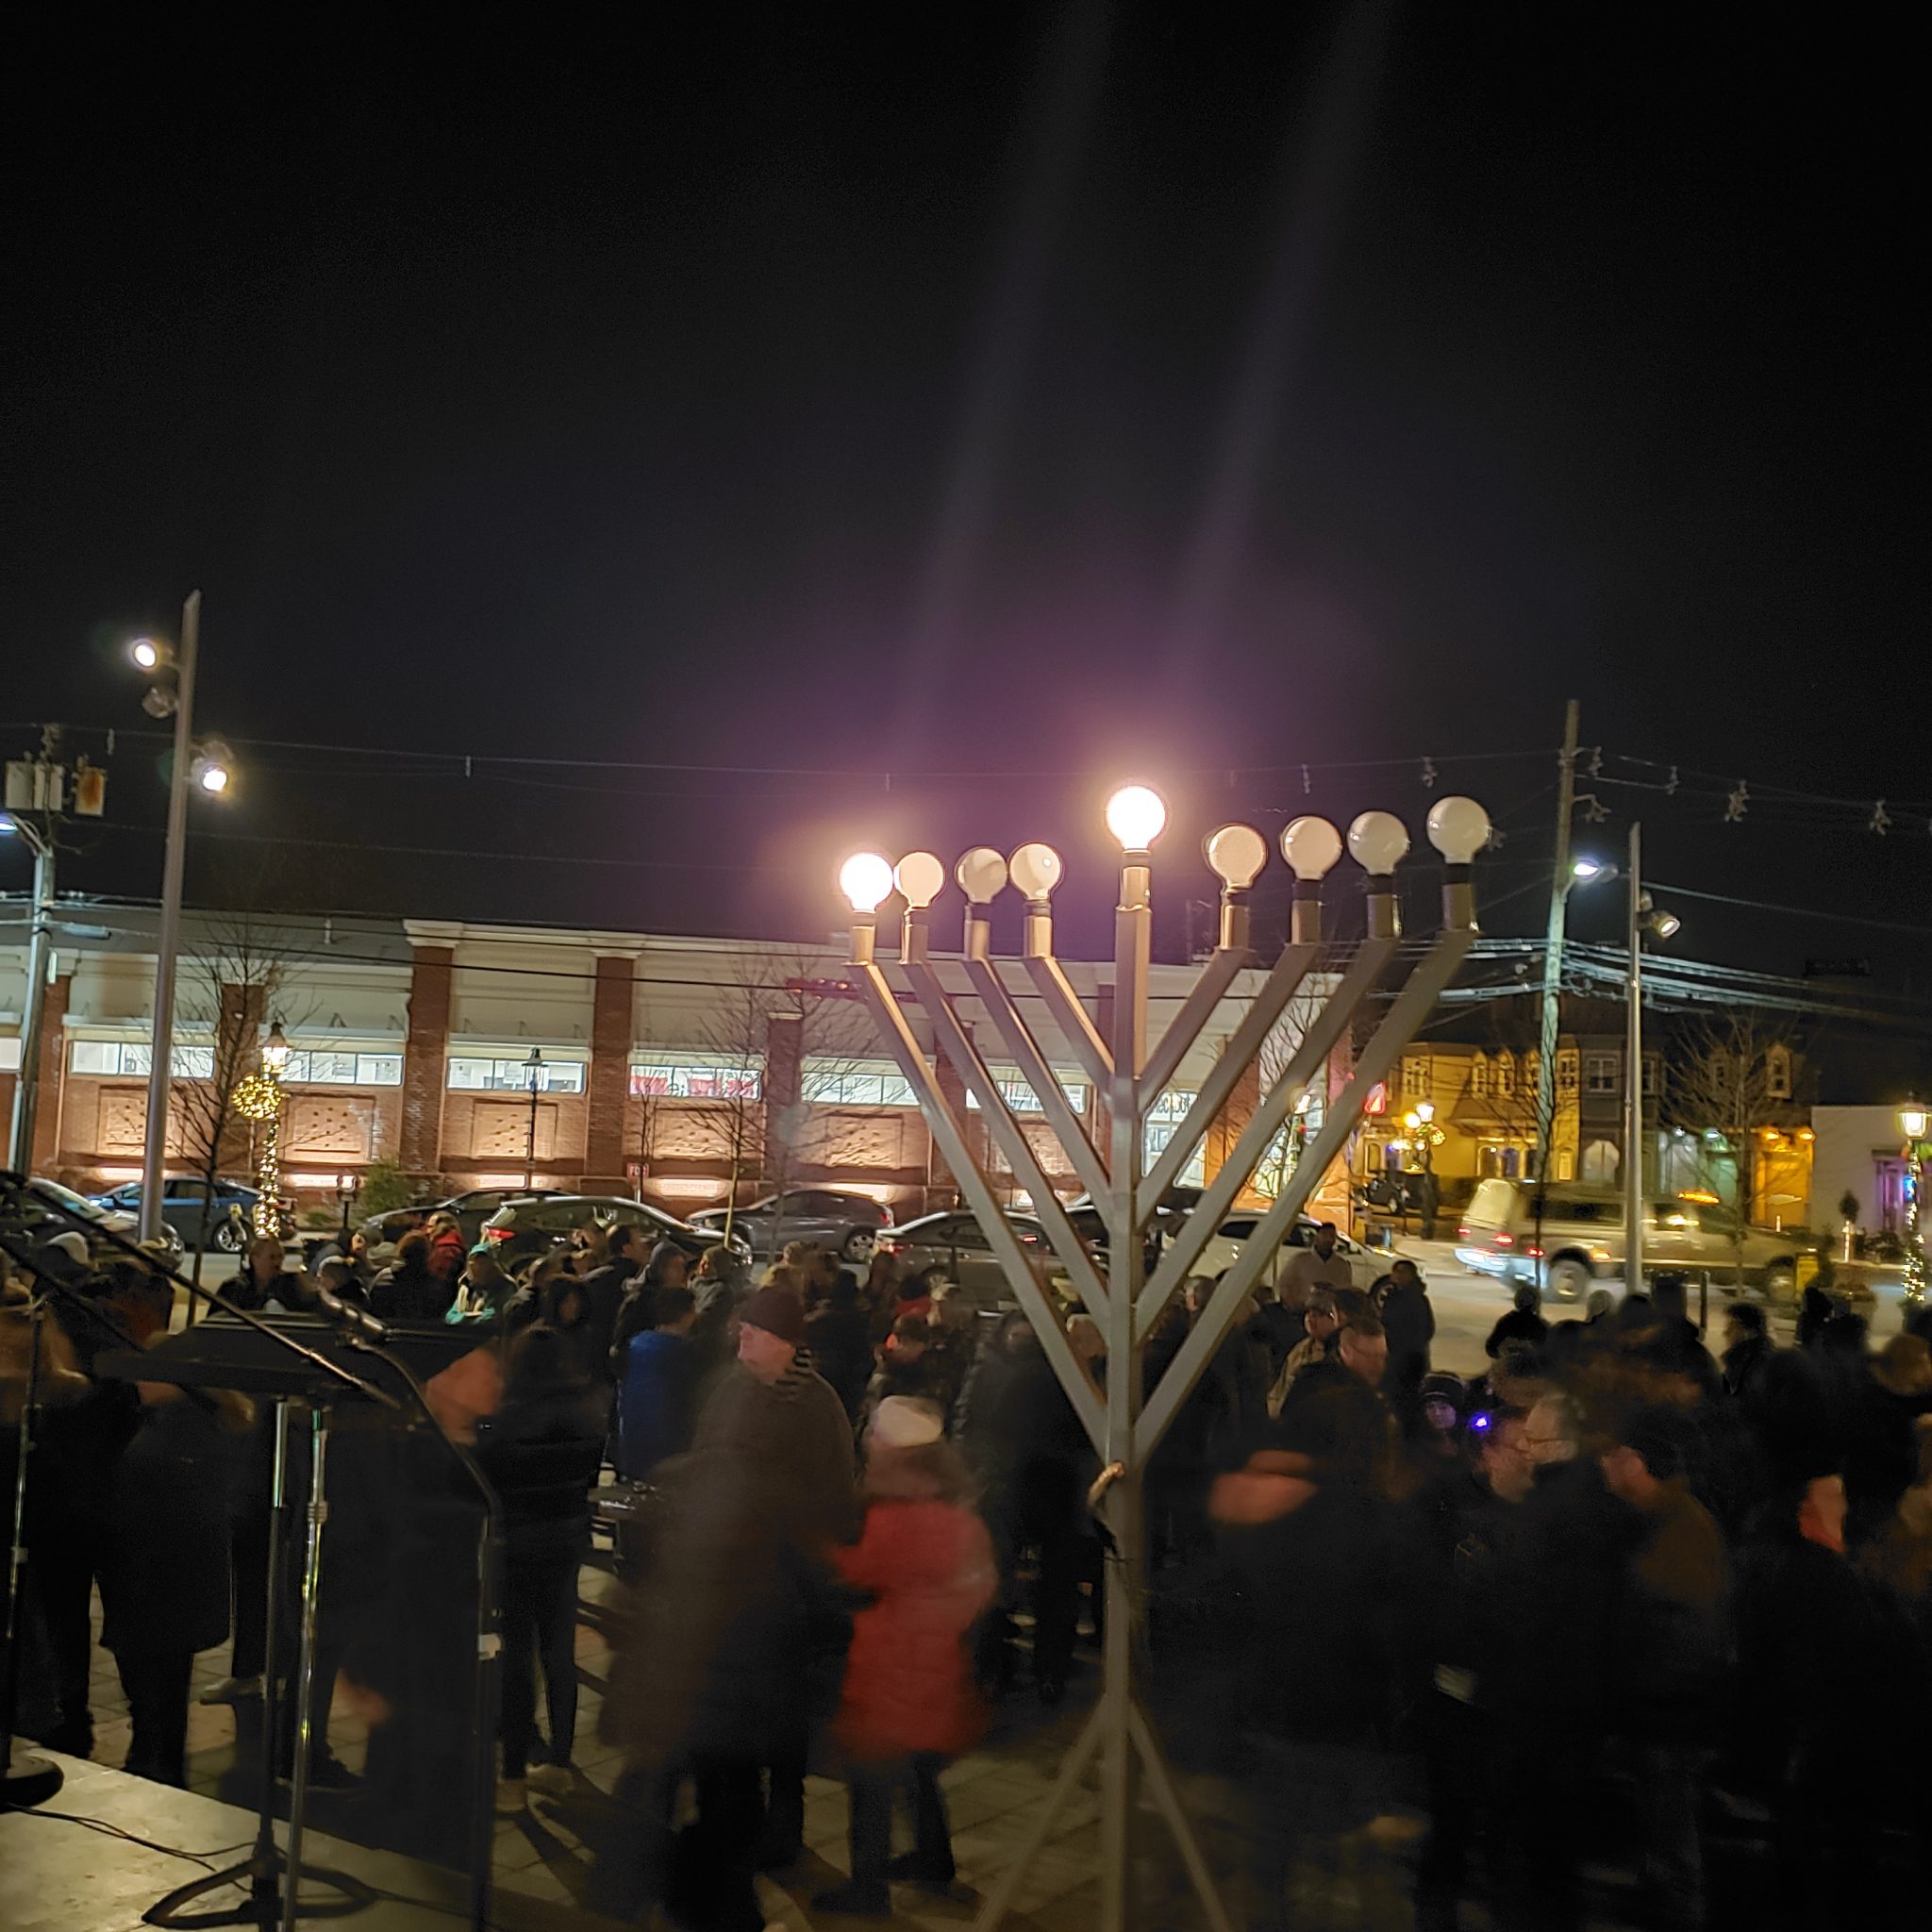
[1462,1232]
[1502,1240]
[1533,1253]
[497,1234]
[885,1217]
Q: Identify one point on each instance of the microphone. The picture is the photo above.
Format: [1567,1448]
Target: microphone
[359,1321]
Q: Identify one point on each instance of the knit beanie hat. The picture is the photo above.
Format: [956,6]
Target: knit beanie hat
[776,1312]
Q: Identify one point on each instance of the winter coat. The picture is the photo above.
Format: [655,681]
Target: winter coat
[409,1292]
[1410,1323]
[655,1402]
[446,1256]
[1519,1324]
[736,1638]
[164,1576]
[840,1337]
[603,1291]
[1743,1365]
[909,1678]
[542,1455]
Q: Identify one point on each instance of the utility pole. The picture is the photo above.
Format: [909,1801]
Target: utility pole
[1553,951]
[37,798]
[1633,1078]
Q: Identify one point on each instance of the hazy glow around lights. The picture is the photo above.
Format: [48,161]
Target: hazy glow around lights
[1586,869]
[145,653]
[865,878]
[213,778]
[1135,815]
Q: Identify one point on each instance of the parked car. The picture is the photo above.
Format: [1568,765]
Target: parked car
[1570,1235]
[31,1223]
[472,1210]
[224,1222]
[839,1218]
[1226,1244]
[532,1224]
[955,1241]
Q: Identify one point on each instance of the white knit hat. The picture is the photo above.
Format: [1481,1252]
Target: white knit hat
[72,1243]
[903,1422]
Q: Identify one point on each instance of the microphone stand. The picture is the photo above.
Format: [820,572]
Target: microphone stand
[30,1779]
[274,1877]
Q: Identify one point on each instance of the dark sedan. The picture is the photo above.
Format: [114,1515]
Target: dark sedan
[224,1223]
[839,1218]
[472,1210]
[535,1223]
[956,1243]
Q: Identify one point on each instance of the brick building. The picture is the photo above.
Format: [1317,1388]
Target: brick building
[477,1054]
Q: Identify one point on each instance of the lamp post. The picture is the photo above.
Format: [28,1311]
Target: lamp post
[1642,917]
[534,1067]
[1127,1290]
[172,693]
[1426,1137]
[1913,1122]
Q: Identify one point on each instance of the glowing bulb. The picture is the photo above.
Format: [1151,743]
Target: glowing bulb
[1458,828]
[1311,846]
[1911,1117]
[982,875]
[145,653]
[211,776]
[1588,869]
[865,878]
[1376,842]
[1036,870]
[1135,815]
[275,1054]
[1667,925]
[1236,855]
[921,878]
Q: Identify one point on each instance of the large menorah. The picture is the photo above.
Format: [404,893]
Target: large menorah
[1132,1073]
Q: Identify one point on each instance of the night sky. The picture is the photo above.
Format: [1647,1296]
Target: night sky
[853,402]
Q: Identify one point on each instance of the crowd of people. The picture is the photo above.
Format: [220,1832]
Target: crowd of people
[1616,1599]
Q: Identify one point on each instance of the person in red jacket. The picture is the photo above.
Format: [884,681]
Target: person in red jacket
[909,1703]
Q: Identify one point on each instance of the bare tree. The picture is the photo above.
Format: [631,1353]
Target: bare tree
[762,1144]
[1731,1074]
[234,984]
[1278,1158]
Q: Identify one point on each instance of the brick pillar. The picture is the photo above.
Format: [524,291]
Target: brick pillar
[952,1084]
[784,1106]
[238,1048]
[605,1148]
[1228,1126]
[425,1059]
[47,1147]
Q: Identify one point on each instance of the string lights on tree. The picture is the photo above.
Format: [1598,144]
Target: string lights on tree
[259,1099]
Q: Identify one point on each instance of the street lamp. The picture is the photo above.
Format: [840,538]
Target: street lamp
[1128,1292]
[1913,1121]
[534,1067]
[209,769]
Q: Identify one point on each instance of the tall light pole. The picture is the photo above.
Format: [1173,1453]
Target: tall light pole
[1126,1290]
[26,1083]
[154,1150]
[1913,1121]
[1560,880]
[1642,918]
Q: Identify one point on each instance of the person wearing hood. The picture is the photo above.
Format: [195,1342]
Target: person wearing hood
[409,1290]
[730,1658]
[1524,1323]
[667,1267]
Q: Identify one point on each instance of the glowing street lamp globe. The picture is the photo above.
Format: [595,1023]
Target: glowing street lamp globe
[866,879]
[1135,815]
